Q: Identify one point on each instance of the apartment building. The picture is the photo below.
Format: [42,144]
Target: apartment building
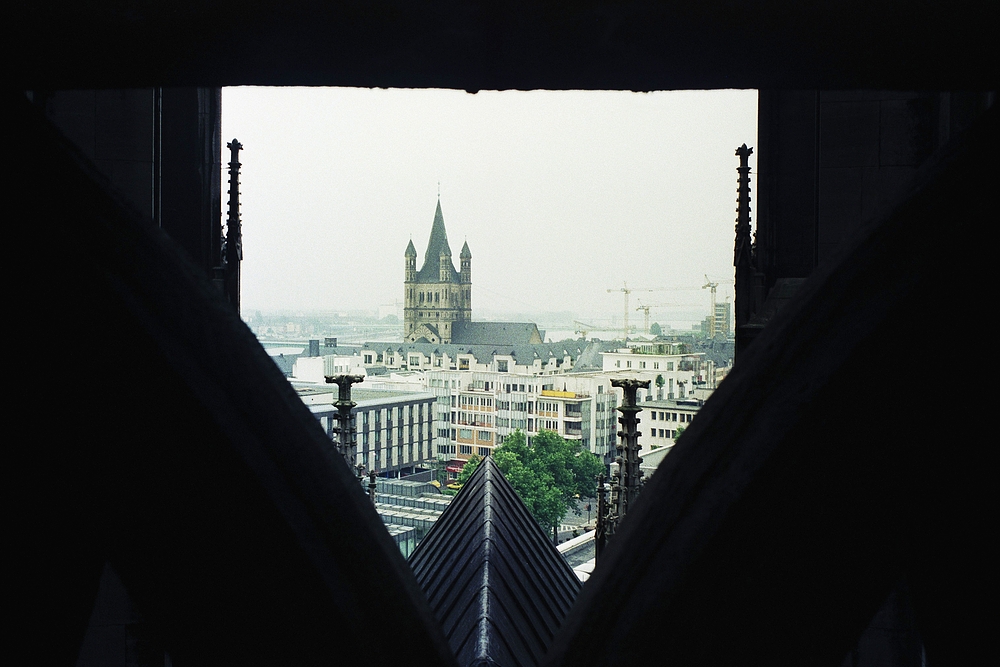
[662,420]
[672,374]
[528,358]
[481,408]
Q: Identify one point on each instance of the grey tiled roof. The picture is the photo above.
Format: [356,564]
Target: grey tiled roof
[522,353]
[495,333]
[590,360]
[491,575]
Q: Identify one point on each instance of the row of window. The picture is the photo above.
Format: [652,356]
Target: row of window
[506,422]
[669,366]
[467,433]
[483,385]
[420,411]
[473,418]
[663,433]
[548,406]
[463,401]
[682,417]
[468,449]
[382,458]
[435,297]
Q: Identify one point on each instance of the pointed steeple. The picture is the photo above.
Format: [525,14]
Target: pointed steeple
[437,245]
[438,241]
[410,250]
[466,253]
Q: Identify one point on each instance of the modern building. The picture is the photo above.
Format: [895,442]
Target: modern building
[671,374]
[395,429]
[481,409]
[661,421]
[723,320]
[409,510]
[316,369]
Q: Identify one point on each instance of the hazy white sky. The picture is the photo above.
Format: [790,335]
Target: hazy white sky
[561,195]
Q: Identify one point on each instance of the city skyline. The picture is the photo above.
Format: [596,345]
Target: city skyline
[561,195]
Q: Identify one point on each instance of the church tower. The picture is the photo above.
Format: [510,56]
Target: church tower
[466,277]
[437,295]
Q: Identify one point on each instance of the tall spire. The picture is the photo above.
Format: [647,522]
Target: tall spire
[232,248]
[743,255]
[436,245]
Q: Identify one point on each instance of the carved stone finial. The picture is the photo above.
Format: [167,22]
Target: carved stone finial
[629,387]
[629,474]
[345,429]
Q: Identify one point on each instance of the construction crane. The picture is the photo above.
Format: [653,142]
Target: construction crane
[626,290]
[583,328]
[645,317]
[711,313]
[712,285]
[645,310]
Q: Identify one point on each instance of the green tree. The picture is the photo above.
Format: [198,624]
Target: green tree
[547,474]
[438,466]
[655,329]
[467,470]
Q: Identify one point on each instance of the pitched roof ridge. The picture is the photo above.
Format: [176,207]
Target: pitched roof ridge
[511,608]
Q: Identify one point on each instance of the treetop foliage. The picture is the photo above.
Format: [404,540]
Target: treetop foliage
[546,475]
[469,468]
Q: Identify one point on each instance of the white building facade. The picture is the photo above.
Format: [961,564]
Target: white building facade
[671,376]
[482,408]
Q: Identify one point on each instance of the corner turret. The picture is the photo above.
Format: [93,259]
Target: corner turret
[466,258]
[410,262]
[447,267]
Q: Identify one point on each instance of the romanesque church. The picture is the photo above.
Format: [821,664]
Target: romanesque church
[438,299]
[437,296]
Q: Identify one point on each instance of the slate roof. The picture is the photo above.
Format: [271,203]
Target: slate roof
[436,244]
[522,353]
[496,333]
[492,577]
[432,329]
[591,359]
